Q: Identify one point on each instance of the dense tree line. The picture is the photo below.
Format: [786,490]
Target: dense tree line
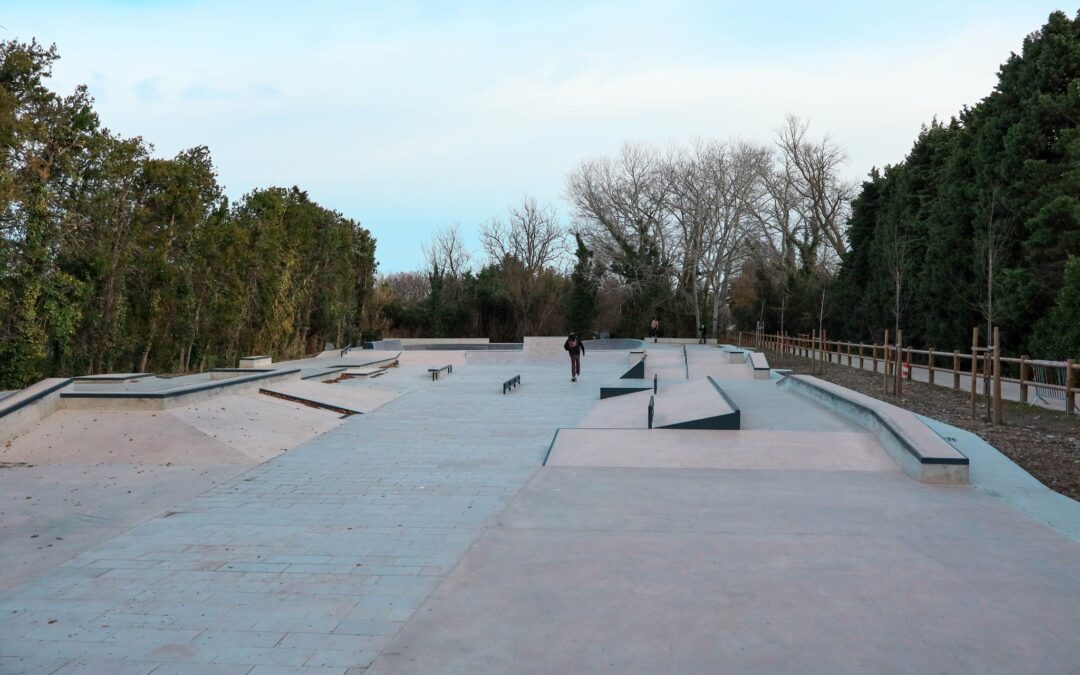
[114,260]
[654,234]
[980,224]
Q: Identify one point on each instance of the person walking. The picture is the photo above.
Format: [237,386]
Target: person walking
[654,329]
[702,332]
[576,348]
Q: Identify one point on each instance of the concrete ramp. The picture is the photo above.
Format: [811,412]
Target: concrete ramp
[667,361]
[545,348]
[716,363]
[337,397]
[698,404]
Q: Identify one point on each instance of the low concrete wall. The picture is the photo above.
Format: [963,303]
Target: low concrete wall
[25,408]
[915,448]
[174,398]
[441,341]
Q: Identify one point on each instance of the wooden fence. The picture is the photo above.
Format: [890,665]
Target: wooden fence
[985,365]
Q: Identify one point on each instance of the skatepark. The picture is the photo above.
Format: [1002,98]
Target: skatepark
[400,509]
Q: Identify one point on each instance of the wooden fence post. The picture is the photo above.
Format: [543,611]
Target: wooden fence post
[860,355]
[998,406]
[825,351]
[974,365]
[1023,378]
[930,364]
[1070,386]
[898,380]
[955,370]
[885,361]
[910,363]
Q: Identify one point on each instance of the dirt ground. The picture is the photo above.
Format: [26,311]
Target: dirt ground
[1044,442]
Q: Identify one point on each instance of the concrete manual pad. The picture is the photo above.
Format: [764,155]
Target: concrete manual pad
[694,449]
[634,571]
[350,398]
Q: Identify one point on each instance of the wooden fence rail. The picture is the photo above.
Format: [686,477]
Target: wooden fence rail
[1056,379]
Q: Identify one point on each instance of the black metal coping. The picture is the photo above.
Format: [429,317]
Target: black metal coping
[4,411]
[258,374]
[896,433]
[551,446]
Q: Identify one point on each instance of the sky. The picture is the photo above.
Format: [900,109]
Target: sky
[412,116]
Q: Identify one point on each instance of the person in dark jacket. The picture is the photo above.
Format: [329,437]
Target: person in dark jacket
[576,348]
[702,332]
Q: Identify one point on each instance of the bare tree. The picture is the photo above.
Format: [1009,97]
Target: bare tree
[526,246]
[812,170]
[619,206]
[531,234]
[446,252]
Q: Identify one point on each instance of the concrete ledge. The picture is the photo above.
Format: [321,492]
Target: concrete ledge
[623,387]
[735,355]
[760,364]
[107,378]
[173,398]
[23,409]
[255,361]
[918,451]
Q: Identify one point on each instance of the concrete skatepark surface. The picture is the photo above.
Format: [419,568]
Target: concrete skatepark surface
[424,536]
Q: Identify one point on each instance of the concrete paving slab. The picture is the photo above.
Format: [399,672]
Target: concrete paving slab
[694,449]
[52,512]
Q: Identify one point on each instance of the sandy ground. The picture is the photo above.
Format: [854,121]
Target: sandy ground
[83,476]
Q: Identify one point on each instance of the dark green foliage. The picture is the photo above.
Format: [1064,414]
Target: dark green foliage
[113,260]
[987,207]
[1057,335]
[584,286]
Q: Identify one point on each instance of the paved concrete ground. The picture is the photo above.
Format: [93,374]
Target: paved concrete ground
[424,537]
[313,560]
[81,477]
[646,571]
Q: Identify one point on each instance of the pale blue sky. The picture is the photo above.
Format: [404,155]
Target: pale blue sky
[409,116]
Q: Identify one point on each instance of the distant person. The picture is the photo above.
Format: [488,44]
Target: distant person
[702,332]
[654,329]
[576,348]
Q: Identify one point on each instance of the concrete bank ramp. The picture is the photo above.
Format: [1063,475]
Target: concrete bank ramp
[716,363]
[698,404]
[546,348]
[337,397]
[666,361]
[80,477]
